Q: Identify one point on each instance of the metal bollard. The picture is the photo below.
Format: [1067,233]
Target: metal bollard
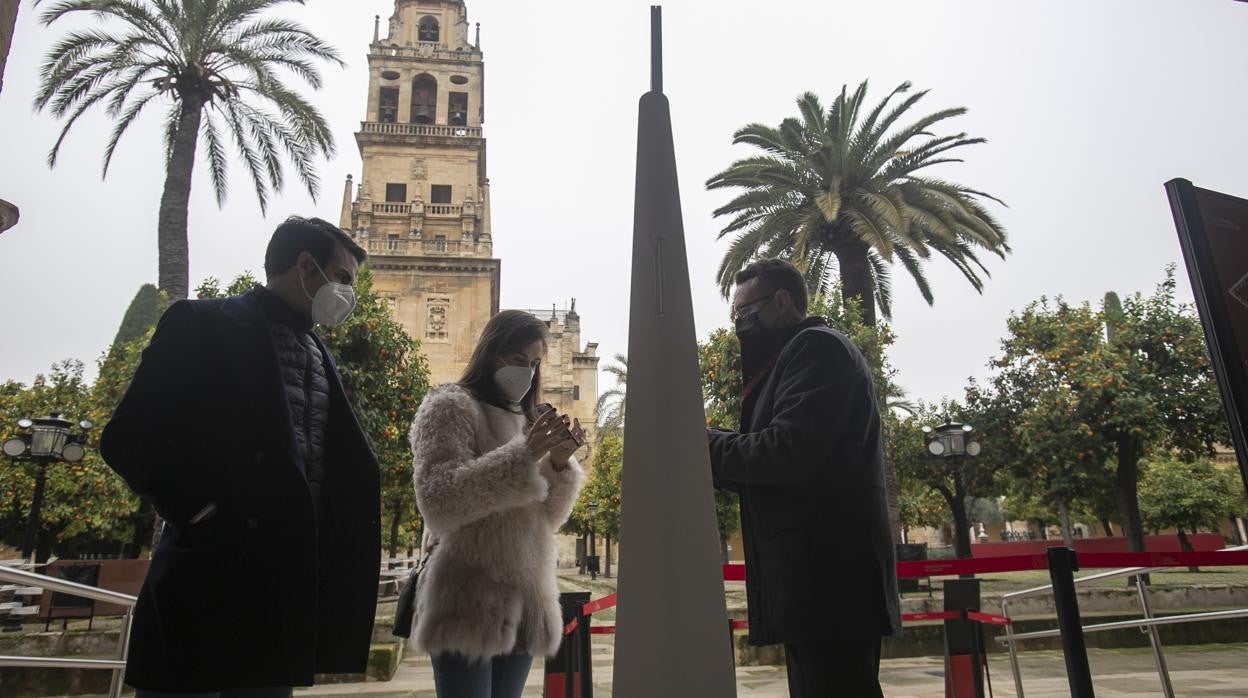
[567,674]
[964,661]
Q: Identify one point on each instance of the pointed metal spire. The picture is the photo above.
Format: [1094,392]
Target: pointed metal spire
[672,623]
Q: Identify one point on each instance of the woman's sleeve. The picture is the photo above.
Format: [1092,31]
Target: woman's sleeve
[454,486]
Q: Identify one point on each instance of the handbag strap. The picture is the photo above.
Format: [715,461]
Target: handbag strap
[427,544]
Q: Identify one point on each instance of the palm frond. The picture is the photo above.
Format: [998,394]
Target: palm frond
[218,163]
[846,180]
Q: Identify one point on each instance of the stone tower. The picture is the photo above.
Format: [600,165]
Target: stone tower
[422,206]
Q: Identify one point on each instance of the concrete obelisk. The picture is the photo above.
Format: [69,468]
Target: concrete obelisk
[672,624]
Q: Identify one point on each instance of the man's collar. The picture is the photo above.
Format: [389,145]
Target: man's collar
[279,312]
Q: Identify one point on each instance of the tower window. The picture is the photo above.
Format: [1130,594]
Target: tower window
[424,100]
[388,105]
[576,392]
[440,194]
[428,29]
[396,193]
[439,243]
[458,112]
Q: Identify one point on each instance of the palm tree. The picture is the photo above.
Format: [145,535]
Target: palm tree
[610,408]
[213,66]
[840,191]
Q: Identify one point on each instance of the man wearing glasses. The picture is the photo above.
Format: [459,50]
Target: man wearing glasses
[807,462]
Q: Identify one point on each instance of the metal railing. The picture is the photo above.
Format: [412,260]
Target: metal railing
[17,576]
[1148,624]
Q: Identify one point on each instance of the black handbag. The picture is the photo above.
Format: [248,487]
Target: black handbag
[405,610]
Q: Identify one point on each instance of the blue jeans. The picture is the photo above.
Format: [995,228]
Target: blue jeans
[500,677]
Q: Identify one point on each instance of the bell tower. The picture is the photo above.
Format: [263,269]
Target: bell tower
[422,205]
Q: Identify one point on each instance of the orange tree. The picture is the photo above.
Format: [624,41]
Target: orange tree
[86,507]
[1081,396]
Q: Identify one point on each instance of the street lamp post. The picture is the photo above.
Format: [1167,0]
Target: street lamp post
[953,443]
[44,441]
[592,558]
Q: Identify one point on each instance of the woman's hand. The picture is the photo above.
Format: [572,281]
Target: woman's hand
[571,442]
[545,433]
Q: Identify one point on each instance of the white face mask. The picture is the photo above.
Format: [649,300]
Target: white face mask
[333,302]
[514,382]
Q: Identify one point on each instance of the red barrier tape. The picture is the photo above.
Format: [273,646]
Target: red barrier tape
[988,618]
[602,604]
[1023,563]
[919,617]
[1009,563]
[983,565]
[905,618]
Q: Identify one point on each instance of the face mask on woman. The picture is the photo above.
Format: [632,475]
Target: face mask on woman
[514,382]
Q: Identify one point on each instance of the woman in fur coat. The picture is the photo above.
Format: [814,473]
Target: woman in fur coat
[494,481]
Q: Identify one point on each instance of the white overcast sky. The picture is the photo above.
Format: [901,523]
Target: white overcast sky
[1088,107]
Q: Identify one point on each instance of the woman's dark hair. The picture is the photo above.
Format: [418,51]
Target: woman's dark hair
[298,235]
[506,333]
[777,275]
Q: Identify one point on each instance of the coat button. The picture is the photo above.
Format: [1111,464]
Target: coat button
[253,524]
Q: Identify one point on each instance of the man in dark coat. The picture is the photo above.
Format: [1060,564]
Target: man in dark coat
[807,463]
[237,429]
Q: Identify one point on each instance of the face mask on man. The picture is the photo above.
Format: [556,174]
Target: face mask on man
[333,302]
[750,324]
[514,382]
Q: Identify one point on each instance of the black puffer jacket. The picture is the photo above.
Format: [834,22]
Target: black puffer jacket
[307,393]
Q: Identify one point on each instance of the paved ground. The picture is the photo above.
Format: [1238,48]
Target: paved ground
[1209,670]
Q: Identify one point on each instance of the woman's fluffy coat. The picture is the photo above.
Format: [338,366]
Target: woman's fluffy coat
[489,587]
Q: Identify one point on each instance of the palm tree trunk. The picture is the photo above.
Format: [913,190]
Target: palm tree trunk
[8,23]
[171,242]
[856,279]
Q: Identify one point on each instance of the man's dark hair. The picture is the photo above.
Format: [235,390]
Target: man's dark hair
[297,235]
[777,275]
